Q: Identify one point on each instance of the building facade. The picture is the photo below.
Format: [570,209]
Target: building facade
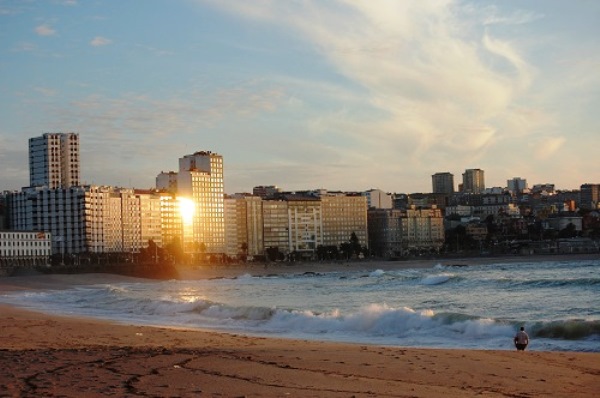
[344,214]
[396,233]
[200,178]
[385,232]
[443,183]
[88,219]
[378,199]
[54,160]
[516,185]
[473,181]
[24,248]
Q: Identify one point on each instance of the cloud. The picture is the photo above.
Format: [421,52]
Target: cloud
[443,87]
[548,146]
[99,41]
[45,30]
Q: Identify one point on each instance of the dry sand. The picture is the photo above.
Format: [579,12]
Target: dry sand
[51,356]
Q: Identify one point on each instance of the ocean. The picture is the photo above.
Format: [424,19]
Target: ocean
[473,307]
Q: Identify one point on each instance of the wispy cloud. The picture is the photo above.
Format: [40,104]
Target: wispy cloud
[45,30]
[99,41]
[438,87]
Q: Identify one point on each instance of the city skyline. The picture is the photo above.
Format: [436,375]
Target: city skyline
[335,95]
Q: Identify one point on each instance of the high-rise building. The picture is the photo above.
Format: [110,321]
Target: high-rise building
[200,179]
[443,183]
[473,181]
[54,160]
[516,185]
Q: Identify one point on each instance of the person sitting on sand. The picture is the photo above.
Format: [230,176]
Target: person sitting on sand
[521,339]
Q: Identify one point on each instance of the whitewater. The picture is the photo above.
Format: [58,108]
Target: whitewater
[474,307]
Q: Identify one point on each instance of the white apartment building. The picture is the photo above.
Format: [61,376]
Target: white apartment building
[378,199]
[24,248]
[54,160]
[305,224]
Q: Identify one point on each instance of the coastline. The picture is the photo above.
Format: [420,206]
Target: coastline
[52,355]
[47,355]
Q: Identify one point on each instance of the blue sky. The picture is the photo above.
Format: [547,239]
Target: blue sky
[347,95]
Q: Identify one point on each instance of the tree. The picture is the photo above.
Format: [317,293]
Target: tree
[355,244]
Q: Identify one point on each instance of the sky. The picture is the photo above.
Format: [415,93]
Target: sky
[337,94]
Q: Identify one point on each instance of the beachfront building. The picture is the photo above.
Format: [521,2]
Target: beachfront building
[344,214]
[244,226]
[385,232]
[54,160]
[94,219]
[200,179]
[19,249]
[275,226]
[305,224]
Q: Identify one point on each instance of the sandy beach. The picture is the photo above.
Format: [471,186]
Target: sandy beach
[48,355]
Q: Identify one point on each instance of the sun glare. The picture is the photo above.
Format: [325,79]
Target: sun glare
[186,209]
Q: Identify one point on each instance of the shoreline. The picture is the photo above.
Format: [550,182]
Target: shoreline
[44,354]
[53,355]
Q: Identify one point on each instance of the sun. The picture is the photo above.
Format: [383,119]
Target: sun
[186,209]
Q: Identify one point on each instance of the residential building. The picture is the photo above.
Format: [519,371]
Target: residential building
[344,214]
[378,199]
[443,183]
[473,181]
[276,225]
[236,227]
[305,224]
[423,230]
[395,233]
[54,160]
[385,232]
[91,219]
[60,212]
[200,178]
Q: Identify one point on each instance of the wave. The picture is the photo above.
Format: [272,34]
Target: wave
[575,329]
[550,282]
[436,279]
